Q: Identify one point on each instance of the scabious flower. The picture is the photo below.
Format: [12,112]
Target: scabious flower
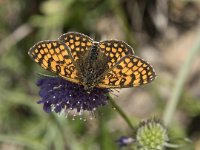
[64,97]
[123,141]
[151,135]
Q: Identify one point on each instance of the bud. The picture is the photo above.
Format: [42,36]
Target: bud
[151,135]
[123,141]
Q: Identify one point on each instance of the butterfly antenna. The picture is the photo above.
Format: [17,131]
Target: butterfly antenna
[114,94]
[45,75]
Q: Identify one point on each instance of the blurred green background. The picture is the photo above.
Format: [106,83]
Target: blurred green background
[166,33]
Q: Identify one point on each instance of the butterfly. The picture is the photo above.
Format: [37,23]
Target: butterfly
[106,64]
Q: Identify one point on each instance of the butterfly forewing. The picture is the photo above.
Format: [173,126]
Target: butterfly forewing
[130,71]
[55,56]
[78,43]
[115,50]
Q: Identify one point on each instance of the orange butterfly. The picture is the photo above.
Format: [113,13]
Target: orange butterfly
[105,64]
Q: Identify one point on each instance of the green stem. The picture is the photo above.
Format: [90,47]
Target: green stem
[20,140]
[19,34]
[182,76]
[67,133]
[169,145]
[122,19]
[121,112]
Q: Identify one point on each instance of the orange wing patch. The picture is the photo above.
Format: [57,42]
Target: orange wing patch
[78,43]
[115,50]
[54,56]
[130,71]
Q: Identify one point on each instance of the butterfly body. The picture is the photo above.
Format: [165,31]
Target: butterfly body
[92,66]
[94,52]
[105,64]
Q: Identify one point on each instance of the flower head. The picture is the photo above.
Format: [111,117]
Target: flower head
[151,135]
[63,96]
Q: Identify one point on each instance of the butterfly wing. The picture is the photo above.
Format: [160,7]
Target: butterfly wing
[115,50]
[78,43]
[130,71]
[55,56]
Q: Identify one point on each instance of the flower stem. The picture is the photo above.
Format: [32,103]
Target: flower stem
[169,145]
[182,76]
[121,112]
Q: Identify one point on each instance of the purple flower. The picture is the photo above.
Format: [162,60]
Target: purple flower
[124,141]
[63,96]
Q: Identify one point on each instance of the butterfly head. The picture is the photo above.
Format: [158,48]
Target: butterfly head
[88,89]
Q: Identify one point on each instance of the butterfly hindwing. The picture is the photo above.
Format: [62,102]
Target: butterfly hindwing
[115,50]
[78,43]
[130,71]
[55,56]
